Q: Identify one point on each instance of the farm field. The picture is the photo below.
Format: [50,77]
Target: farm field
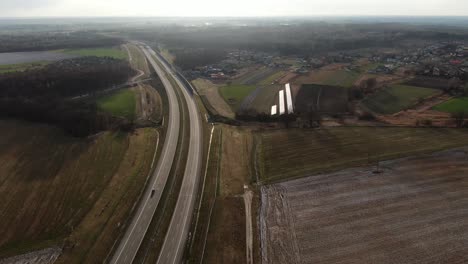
[211,94]
[286,154]
[264,98]
[413,212]
[121,103]
[272,78]
[99,52]
[12,58]
[396,98]
[235,94]
[455,105]
[332,77]
[22,66]
[49,183]
[322,98]
[429,82]
[255,76]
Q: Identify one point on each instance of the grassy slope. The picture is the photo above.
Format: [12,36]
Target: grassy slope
[121,103]
[455,105]
[100,52]
[234,94]
[68,189]
[97,233]
[49,181]
[286,154]
[396,98]
[139,60]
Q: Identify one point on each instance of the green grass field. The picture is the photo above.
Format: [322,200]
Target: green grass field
[455,105]
[397,98]
[286,154]
[121,103]
[22,66]
[234,94]
[99,52]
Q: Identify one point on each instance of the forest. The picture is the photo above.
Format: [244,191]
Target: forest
[54,40]
[44,95]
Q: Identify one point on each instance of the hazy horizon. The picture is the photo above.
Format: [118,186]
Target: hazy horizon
[239,8]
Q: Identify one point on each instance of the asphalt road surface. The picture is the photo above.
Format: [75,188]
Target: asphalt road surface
[176,237]
[136,231]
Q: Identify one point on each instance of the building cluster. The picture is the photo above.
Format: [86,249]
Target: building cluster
[446,60]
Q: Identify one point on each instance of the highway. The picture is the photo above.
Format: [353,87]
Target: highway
[138,227]
[176,237]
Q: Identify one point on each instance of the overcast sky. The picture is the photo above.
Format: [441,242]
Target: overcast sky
[63,8]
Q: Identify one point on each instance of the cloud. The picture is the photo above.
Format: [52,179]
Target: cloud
[25,4]
[230,7]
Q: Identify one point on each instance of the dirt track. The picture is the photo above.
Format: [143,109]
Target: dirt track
[413,212]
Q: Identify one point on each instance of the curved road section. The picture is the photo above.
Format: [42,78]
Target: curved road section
[135,233]
[176,237]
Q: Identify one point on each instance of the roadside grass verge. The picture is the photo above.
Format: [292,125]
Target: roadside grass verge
[287,154]
[138,59]
[121,103]
[455,105]
[99,52]
[235,94]
[397,98]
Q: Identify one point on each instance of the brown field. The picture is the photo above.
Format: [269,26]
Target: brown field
[321,98]
[285,154]
[415,211]
[62,191]
[210,91]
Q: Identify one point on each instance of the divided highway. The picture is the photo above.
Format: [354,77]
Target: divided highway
[176,237]
[177,234]
[136,231]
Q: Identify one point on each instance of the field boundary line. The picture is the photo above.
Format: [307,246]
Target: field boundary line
[203,188]
[214,200]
